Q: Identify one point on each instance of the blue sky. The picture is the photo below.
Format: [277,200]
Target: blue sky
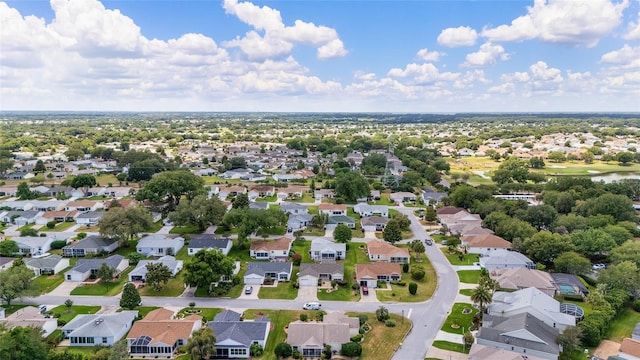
[396,56]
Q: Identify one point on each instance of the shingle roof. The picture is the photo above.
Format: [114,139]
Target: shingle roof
[522,330]
[162,329]
[91,242]
[375,269]
[205,241]
[158,240]
[486,240]
[100,324]
[47,262]
[630,346]
[243,332]
[260,268]
[384,248]
[84,265]
[317,269]
[282,243]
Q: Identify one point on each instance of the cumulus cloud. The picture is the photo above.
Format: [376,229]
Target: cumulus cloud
[429,56]
[460,36]
[633,32]
[488,54]
[544,77]
[562,21]
[623,56]
[272,38]
[421,74]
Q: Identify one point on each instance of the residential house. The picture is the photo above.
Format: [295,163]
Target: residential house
[534,302]
[33,245]
[522,278]
[56,216]
[402,197]
[258,205]
[32,317]
[271,249]
[160,245]
[298,221]
[234,336]
[323,250]
[6,262]
[482,352]
[323,194]
[431,196]
[310,274]
[446,212]
[364,209]
[468,229]
[99,329]
[333,209]
[379,250]
[569,284]
[48,265]
[89,217]
[258,272]
[20,218]
[91,244]
[310,338]
[293,208]
[369,274]
[140,271]
[159,334]
[461,219]
[85,268]
[373,223]
[263,190]
[8,191]
[208,242]
[334,220]
[629,349]
[83,205]
[484,244]
[522,333]
[503,259]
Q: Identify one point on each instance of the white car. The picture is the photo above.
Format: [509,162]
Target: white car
[312,306]
[599,266]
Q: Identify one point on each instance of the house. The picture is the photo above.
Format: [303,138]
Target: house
[322,249]
[364,209]
[30,316]
[502,259]
[33,245]
[258,272]
[234,336]
[522,333]
[534,302]
[310,274]
[208,242]
[373,223]
[99,329]
[468,229]
[6,262]
[481,352]
[56,216]
[431,196]
[298,221]
[445,212]
[333,209]
[484,244]
[379,250]
[159,334]
[21,218]
[369,274]
[461,219]
[83,205]
[310,338]
[89,217]
[629,349]
[270,249]
[8,191]
[258,205]
[334,220]
[49,265]
[522,278]
[85,268]
[323,194]
[293,208]
[569,284]
[264,190]
[140,272]
[402,197]
[159,245]
[91,244]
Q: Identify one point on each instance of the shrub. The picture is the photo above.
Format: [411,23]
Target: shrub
[355,286]
[303,317]
[351,349]
[417,273]
[405,268]
[81,235]
[58,244]
[356,338]
[399,283]
[256,349]
[283,350]
[363,319]
[413,288]
[297,259]
[51,224]
[62,322]
[390,323]
[636,305]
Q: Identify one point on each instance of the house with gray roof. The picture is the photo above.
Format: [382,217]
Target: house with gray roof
[310,338]
[298,221]
[374,223]
[323,250]
[235,336]
[336,220]
[258,205]
[635,335]
[208,242]
[522,333]
[160,245]
[293,208]
[310,274]
[140,272]
[21,218]
[431,195]
[6,262]
[99,329]
[33,245]
[364,209]
[504,259]
[91,244]
[48,265]
[257,272]
[89,217]
[85,268]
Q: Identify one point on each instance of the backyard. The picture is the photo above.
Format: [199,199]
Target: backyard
[381,342]
[469,276]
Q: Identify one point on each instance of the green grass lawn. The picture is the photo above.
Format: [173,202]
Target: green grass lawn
[233,293]
[302,248]
[467,259]
[313,210]
[106,179]
[426,286]
[284,290]
[183,254]
[622,325]
[381,342]
[306,198]
[222,230]
[469,276]
[144,310]
[446,345]
[182,230]
[207,313]
[276,230]
[125,250]
[457,322]
[10,309]
[466,292]
[355,255]
[62,313]
[267,199]
[173,288]
[155,227]
[105,289]
[62,226]
[46,283]
[313,231]
[585,306]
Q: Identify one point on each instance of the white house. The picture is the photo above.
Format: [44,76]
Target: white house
[208,242]
[159,245]
[270,249]
[234,336]
[364,209]
[311,273]
[84,268]
[48,265]
[322,249]
[502,259]
[99,329]
[33,245]
[333,209]
[30,316]
[258,272]
[140,272]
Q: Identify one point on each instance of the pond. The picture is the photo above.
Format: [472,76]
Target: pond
[612,177]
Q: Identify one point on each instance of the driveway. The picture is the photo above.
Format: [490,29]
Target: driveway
[371,298]
[253,295]
[307,293]
[64,289]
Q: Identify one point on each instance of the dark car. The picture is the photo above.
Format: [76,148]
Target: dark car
[365,290]
[428,242]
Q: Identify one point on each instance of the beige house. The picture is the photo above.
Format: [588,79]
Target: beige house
[30,316]
[522,278]
[310,338]
[159,334]
[383,251]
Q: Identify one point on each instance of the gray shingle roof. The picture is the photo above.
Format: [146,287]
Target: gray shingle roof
[91,242]
[324,268]
[260,268]
[83,265]
[227,326]
[47,262]
[522,330]
[91,215]
[205,241]
[100,324]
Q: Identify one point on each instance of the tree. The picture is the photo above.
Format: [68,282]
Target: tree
[413,288]
[283,350]
[29,232]
[468,339]
[206,267]
[248,221]
[570,339]
[351,186]
[623,275]
[417,246]
[544,247]
[23,192]
[16,282]
[22,343]
[158,275]
[105,273]
[536,163]
[84,182]
[201,212]
[430,214]
[618,206]
[68,303]
[624,158]
[592,242]
[124,224]
[541,216]
[201,344]
[39,167]
[240,201]
[392,232]
[571,262]
[145,169]
[130,297]
[319,220]
[511,170]
[482,296]
[134,258]
[119,351]
[351,349]
[374,164]
[342,233]
[171,186]
[382,313]
[8,248]
[629,251]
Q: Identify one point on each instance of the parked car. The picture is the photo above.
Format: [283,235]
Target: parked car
[599,266]
[248,290]
[312,306]
[365,290]
[42,308]
[428,242]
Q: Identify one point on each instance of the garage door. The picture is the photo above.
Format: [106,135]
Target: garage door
[253,280]
[308,281]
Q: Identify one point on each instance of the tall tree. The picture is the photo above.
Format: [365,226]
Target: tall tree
[201,344]
[201,212]
[105,273]
[119,351]
[22,343]
[158,275]
[23,192]
[130,297]
[417,246]
[342,233]
[351,185]
[571,262]
[39,168]
[482,296]
[392,232]
[8,248]
[83,182]
[592,242]
[240,201]
[124,224]
[171,186]
[545,247]
[17,282]
[624,276]
[206,267]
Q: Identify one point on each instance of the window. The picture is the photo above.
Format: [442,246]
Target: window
[237,351]
[104,340]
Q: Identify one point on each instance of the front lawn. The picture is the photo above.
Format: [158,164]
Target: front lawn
[306,198]
[426,286]
[207,313]
[233,293]
[46,283]
[273,198]
[622,325]
[381,342]
[457,322]
[302,247]
[446,345]
[469,276]
[173,288]
[144,310]
[62,226]
[182,230]
[155,227]
[63,313]
[466,292]
[110,288]
[355,255]
[284,291]
[454,259]
[313,231]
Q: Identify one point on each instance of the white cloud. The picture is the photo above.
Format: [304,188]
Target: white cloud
[429,56]
[544,77]
[516,76]
[488,54]
[633,30]
[278,39]
[623,56]
[460,36]
[562,21]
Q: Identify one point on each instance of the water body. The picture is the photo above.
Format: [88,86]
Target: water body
[612,177]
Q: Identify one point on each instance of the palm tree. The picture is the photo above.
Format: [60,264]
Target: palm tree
[201,345]
[489,283]
[482,296]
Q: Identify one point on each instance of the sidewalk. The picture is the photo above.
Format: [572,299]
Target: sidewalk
[436,353]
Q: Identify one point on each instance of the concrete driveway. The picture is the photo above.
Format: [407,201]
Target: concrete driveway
[371,298]
[64,289]
[307,293]
[253,295]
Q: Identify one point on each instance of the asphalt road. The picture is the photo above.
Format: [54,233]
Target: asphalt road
[427,317]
